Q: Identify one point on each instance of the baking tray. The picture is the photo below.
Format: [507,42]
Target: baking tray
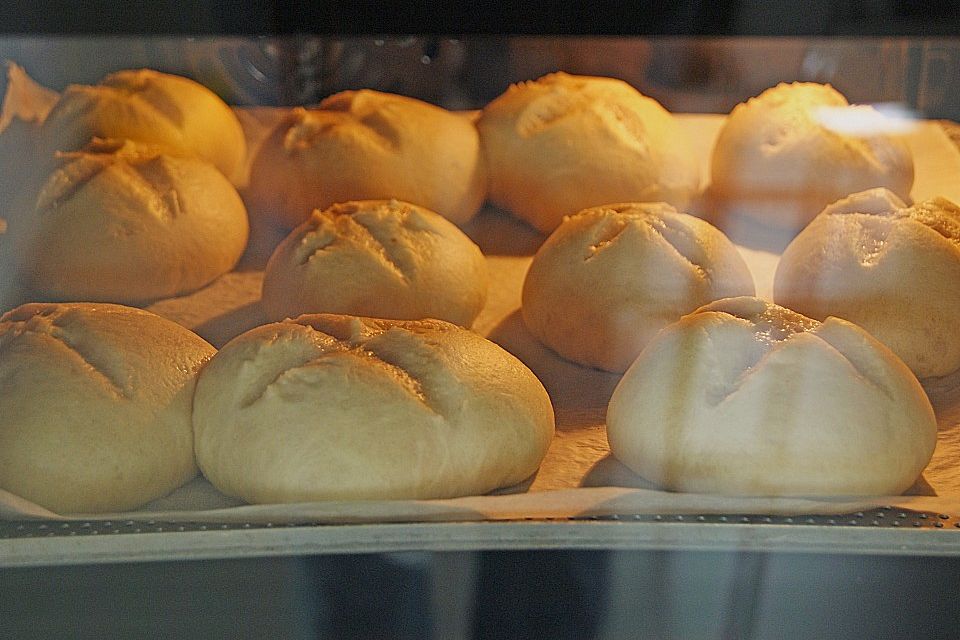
[549,512]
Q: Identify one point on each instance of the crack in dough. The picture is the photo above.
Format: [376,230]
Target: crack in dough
[313,244]
[69,179]
[940,215]
[338,225]
[871,241]
[544,111]
[681,240]
[374,236]
[611,229]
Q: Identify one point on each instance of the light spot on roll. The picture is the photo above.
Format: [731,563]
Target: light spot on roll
[867,120]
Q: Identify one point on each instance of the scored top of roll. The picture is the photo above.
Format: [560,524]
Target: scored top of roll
[368,145]
[563,143]
[130,224]
[783,155]
[744,397]
[172,112]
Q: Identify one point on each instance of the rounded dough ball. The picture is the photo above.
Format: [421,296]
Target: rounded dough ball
[564,143]
[776,160]
[890,268]
[609,278]
[379,258]
[95,404]
[367,145]
[131,225]
[743,397]
[340,408]
[177,114]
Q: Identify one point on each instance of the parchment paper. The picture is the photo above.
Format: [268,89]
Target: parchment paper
[578,477]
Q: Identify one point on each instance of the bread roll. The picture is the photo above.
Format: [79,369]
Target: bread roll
[380,258]
[892,269]
[776,160]
[743,397]
[609,278]
[131,225]
[564,143]
[368,145]
[95,403]
[177,114]
[330,407]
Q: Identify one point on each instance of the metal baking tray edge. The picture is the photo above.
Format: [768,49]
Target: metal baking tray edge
[57,543]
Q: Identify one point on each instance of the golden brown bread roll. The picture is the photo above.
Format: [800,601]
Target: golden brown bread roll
[368,145]
[743,397]
[378,258]
[609,278]
[129,224]
[776,160]
[563,143]
[890,268]
[95,405]
[171,112]
[330,407]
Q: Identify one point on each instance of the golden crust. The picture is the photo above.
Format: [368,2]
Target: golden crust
[368,145]
[155,108]
[563,143]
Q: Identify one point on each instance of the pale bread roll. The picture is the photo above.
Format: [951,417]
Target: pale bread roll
[609,278]
[95,405]
[892,269]
[129,224]
[377,258]
[776,160]
[368,145]
[743,397]
[171,112]
[563,143]
[330,407]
